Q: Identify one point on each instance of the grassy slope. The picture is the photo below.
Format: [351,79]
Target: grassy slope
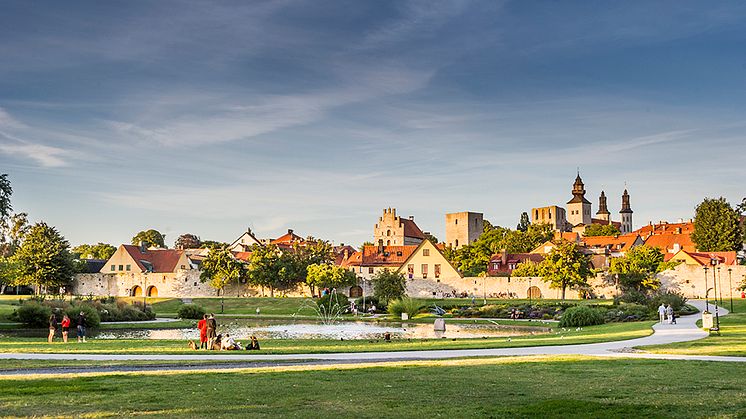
[731,342]
[601,333]
[508,387]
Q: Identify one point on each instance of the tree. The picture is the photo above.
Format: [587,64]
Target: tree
[326,275]
[5,192]
[94,251]
[433,239]
[12,232]
[212,244]
[523,223]
[563,267]
[637,268]
[220,268]
[366,243]
[272,268]
[601,230]
[187,241]
[150,237]
[717,227]
[44,258]
[388,285]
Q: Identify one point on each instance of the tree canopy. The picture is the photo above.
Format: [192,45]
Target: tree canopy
[717,227]
[187,241]
[12,232]
[601,230]
[150,237]
[565,266]
[388,285]
[523,223]
[220,268]
[326,275]
[44,258]
[637,268]
[5,192]
[94,251]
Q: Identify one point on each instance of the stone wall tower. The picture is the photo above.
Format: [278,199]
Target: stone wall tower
[626,213]
[463,228]
[578,208]
[603,212]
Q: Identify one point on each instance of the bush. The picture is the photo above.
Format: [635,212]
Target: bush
[581,316]
[191,311]
[676,300]
[91,315]
[123,312]
[404,305]
[32,314]
[331,299]
[369,301]
[632,296]
[628,313]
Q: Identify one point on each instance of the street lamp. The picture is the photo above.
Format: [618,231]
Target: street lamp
[529,291]
[707,304]
[730,285]
[714,263]
[721,287]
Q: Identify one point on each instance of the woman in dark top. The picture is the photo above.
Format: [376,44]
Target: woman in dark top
[52,327]
[81,327]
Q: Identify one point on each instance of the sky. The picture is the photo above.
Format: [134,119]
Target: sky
[213,117]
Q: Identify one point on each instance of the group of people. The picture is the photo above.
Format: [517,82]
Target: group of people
[65,325]
[666,314]
[210,340]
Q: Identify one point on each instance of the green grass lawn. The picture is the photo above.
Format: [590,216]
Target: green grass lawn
[567,387]
[731,342]
[592,334]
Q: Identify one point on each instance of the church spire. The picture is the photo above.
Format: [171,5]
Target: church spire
[626,213]
[603,212]
[626,209]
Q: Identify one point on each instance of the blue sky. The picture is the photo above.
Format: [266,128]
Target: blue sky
[208,118]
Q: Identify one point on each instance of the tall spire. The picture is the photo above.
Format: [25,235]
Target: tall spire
[602,208]
[578,191]
[626,208]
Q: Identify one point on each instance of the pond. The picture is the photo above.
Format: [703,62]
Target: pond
[282,329]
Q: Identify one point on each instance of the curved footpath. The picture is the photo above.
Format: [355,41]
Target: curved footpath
[685,330]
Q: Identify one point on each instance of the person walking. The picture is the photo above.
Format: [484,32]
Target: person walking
[81,327]
[211,330]
[52,327]
[669,314]
[65,327]
[202,326]
[662,313]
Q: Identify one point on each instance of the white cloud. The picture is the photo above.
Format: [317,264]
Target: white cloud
[46,156]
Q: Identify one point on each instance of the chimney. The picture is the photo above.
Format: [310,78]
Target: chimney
[505,257]
[290,231]
[380,246]
[143,246]
[411,217]
[248,230]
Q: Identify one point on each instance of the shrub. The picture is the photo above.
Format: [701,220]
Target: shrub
[32,314]
[191,311]
[581,316]
[628,313]
[369,301]
[633,296]
[404,305]
[92,317]
[123,312]
[329,300]
[676,300]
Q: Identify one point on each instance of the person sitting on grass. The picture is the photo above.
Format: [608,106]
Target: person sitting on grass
[216,343]
[229,344]
[254,345]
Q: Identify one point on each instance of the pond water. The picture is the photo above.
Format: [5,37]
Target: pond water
[282,329]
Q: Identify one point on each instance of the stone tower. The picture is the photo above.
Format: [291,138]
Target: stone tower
[603,212]
[626,213]
[578,208]
[463,228]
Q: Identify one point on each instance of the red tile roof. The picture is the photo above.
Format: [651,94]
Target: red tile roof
[392,256]
[599,221]
[622,242]
[666,242]
[510,259]
[704,258]
[243,256]
[411,229]
[161,260]
[665,228]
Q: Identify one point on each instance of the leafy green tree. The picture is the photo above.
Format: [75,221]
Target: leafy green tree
[601,230]
[220,268]
[563,267]
[326,275]
[187,241]
[717,227]
[5,192]
[212,244]
[388,285]
[433,239]
[637,268]
[94,251]
[12,232]
[272,268]
[366,243]
[523,223]
[44,258]
[150,237]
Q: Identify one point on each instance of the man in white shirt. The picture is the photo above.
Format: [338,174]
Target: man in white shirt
[662,313]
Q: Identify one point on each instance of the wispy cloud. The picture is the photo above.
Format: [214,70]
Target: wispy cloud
[46,156]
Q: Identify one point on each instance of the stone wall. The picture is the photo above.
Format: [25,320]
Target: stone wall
[690,280]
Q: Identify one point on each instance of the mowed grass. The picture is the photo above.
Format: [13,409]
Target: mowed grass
[559,336]
[566,387]
[731,342]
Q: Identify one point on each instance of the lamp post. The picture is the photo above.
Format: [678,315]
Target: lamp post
[714,263]
[529,291]
[707,304]
[720,286]
[730,285]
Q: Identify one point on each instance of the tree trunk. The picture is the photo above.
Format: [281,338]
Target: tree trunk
[563,291]
[272,291]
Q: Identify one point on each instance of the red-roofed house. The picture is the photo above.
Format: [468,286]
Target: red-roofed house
[703,258]
[503,264]
[141,261]
[288,240]
[611,245]
[244,242]
[671,243]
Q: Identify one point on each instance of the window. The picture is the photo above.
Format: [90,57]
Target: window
[437,271]
[183,266]
[113,268]
[388,232]
[195,284]
[128,267]
[456,242]
[410,270]
[457,221]
[121,267]
[370,270]
[425,252]
[424,270]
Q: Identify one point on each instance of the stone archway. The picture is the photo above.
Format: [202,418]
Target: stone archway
[152,291]
[533,292]
[356,292]
[136,291]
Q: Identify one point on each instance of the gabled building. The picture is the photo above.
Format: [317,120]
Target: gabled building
[503,264]
[139,259]
[392,230]
[244,242]
[704,258]
[288,239]
[427,261]
[614,246]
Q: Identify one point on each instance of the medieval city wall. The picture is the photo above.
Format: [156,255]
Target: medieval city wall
[690,280]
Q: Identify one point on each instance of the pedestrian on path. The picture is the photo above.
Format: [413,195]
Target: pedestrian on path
[65,327]
[52,327]
[669,314]
[662,313]
[81,327]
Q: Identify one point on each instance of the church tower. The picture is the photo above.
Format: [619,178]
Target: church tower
[603,212]
[626,214]
[578,208]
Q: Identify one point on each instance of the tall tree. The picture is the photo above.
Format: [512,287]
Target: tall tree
[212,244]
[326,275]
[187,241]
[601,230]
[94,251]
[637,268]
[523,223]
[272,268]
[563,267]
[220,268]
[44,258]
[388,285]
[12,232]
[717,227]
[5,192]
[150,237]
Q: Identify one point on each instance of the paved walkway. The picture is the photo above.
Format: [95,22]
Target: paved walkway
[685,330]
